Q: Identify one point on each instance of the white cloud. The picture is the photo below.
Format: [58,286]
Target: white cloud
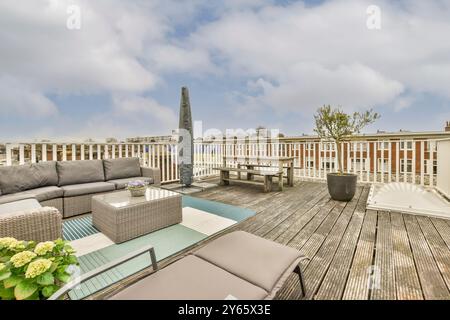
[123,50]
[40,49]
[129,116]
[144,109]
[16,98]
[309,56]
[307,86]
[293,57]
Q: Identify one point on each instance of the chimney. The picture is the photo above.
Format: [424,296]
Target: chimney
[447,126]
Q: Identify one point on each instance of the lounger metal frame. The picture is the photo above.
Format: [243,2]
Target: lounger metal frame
[91,274]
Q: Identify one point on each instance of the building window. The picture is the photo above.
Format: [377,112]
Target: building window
[356,165]
[383,166]
[384,145]
[408,166]
[428,166]
[358,146]
[430,147]
[310,164]
[406,145]
[328,147]
[328,164]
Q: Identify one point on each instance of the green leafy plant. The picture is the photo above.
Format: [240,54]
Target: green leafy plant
[334,124]
[30,271]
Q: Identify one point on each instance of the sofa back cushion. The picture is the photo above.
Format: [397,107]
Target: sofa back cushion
[25,177]
[122,168]
[80,171]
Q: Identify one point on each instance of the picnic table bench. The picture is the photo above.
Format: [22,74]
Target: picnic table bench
[267,174]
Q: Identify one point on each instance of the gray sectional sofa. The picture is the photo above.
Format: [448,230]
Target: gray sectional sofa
[66,186]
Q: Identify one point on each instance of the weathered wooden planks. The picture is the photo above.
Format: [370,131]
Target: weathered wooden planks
[357,287]
[344,242]
[438,248]
[384,261]
[406,279]
[333,284]
[433,285]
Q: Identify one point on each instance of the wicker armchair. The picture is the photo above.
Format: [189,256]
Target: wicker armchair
[41,224]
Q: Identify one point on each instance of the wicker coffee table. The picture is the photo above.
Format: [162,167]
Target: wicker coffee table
[122,217]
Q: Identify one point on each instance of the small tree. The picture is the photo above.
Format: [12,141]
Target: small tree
[334,124]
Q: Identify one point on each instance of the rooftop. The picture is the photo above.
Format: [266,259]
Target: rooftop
[344,241]
[353,252]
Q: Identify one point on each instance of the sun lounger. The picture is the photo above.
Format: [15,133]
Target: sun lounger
[238,265]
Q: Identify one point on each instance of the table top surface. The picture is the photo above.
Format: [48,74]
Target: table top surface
[121,199]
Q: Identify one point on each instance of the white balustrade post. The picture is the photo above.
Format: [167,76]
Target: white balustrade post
[21,154]
[44,152]
[54,152]
[8,154]
[33,153]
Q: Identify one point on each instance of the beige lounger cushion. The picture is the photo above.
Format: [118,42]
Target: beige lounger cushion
[121,183]
[257,260]
[191,278]
[87,188]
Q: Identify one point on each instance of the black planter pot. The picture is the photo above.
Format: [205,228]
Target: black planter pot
[341,187]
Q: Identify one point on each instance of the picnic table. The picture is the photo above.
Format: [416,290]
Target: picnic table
[267,173]
[253,162]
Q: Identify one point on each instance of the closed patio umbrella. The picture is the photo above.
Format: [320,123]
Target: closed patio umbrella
[185,140]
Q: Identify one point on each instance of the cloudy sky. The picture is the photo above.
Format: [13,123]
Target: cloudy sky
[246,63]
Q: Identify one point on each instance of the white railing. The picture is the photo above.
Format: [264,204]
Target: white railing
[413,161]
[157,155]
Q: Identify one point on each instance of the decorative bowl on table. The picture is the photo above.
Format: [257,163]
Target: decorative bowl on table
[137,188]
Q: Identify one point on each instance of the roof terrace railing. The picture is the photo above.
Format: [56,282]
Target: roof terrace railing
[413,161]
[156,155]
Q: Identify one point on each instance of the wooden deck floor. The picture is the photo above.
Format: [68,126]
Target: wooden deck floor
[406,256]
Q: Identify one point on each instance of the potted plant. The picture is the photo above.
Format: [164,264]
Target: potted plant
[30,271]
[137,188]
[334,124]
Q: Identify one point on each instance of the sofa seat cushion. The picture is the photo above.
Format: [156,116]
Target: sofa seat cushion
[80,171]
[15,179]
[191,278]
[15,197]
[121,168]
[45,193]
[121,183]
[16,206]
[87,188]
[257,260]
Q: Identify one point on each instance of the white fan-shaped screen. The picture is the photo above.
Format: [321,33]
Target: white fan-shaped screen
[407,197]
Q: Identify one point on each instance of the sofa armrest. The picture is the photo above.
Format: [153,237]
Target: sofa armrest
[154,173]
[43,224]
